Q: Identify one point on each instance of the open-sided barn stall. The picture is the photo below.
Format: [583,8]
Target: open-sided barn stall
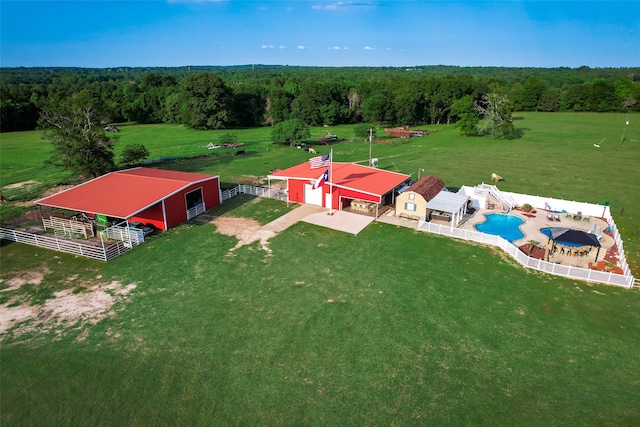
[161,198]
[347,182]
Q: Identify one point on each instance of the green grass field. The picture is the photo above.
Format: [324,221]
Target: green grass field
[389,327]
[383,328]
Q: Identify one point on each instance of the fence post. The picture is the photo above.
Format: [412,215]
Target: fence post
[104,250]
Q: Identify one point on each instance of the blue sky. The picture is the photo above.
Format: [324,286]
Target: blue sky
[319,33]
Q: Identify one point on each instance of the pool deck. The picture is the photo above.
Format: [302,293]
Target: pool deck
[531,229]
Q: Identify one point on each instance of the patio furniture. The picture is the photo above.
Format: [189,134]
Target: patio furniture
[550,216]
[578,216]
[557,217]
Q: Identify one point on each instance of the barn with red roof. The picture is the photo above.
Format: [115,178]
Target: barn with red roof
[349,185]
[154,197]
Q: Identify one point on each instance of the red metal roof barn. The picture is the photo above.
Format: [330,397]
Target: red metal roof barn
[350,181]
[161,198]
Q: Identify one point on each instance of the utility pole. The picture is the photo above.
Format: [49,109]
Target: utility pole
[370,143]
[624,129]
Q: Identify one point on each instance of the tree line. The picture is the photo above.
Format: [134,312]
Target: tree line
[248,96]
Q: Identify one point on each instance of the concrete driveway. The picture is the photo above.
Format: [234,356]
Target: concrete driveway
[346,222]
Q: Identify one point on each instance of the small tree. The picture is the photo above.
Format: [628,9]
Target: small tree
[361,131]
[291,130]
[467,117]
[228,138]
[133,154]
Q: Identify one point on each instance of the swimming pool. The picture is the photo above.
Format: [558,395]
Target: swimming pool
[547,232]
[505,226]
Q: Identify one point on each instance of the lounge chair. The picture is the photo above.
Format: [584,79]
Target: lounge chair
[578,216]
[550,216]
[557,217]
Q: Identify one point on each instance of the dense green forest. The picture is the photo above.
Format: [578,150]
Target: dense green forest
[255,95]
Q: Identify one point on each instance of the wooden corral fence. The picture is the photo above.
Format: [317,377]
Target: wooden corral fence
[105,252]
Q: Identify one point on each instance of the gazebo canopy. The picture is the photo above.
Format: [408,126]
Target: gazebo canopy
[578,237]
[446,201]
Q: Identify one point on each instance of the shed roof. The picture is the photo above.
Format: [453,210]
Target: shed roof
[446,201]
[351,176]
[428,187]
[123,194]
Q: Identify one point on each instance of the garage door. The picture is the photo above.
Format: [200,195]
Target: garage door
[311,196]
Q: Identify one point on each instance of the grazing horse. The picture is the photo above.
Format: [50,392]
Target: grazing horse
[240,153]
[496,178]
[312,151]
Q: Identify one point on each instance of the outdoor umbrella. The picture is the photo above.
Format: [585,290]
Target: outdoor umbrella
[578,237]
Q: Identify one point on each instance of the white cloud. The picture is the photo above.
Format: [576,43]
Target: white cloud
[282,47]
[341,5]
[267,46]
[337,48]
[300,47]
[369,48]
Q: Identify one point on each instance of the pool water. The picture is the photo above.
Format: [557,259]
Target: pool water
[505,226]
[547,232]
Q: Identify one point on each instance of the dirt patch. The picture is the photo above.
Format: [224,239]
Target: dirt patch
[33,277]
[67,307]
[20,184]
[55,190]
[246,230]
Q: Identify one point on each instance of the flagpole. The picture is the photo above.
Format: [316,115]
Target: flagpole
[331,181]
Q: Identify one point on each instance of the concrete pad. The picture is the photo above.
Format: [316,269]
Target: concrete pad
[340,220]
[390,218]
[293,216]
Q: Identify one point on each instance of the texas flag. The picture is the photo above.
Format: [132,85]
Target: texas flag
[321,180]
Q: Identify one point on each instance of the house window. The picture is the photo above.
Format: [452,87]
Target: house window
[410,207]
[412,196]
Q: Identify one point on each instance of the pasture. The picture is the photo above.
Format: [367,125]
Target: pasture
[389,327]
[555,156]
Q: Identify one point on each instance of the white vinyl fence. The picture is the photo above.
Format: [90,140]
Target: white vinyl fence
[625,280]
[195,211]
[105,252]
[254,191]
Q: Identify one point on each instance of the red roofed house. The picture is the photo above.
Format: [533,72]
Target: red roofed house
[161,198]
[350,184]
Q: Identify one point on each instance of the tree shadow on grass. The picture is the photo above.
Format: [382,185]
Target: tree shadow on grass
[200,163]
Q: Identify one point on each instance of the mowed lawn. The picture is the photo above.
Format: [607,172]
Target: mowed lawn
[390,327]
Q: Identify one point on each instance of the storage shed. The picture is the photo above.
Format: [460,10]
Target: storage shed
[155,197]
[350,184]
[412,203]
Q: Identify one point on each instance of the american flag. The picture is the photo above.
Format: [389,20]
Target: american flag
[320,161]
